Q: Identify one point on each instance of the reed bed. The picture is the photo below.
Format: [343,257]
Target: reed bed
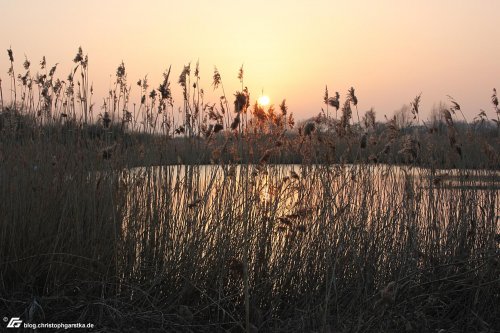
[92,230]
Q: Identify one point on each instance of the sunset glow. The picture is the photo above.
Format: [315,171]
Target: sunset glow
[250,166]
[390,51]
[263,100]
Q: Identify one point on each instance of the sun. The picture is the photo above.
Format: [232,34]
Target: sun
[263,100]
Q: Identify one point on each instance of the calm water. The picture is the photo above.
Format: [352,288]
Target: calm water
[199,212]
[281,190]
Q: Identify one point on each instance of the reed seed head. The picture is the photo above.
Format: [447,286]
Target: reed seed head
[11,55]
[216,78]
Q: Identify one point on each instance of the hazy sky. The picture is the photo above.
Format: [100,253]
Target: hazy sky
[388,50]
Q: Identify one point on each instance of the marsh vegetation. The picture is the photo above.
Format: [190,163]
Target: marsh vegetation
[229,216]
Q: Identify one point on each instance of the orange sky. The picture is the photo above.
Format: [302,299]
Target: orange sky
[389,50]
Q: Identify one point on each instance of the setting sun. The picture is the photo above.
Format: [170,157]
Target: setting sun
[263,100]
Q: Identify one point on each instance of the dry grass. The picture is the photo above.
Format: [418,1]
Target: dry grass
[241,246]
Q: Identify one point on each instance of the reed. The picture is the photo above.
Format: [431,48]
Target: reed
[118,222]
